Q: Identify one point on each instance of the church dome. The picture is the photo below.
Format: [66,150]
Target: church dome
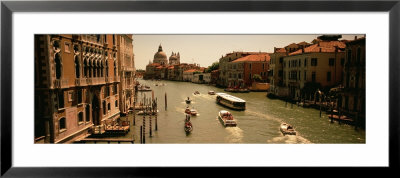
[160,56]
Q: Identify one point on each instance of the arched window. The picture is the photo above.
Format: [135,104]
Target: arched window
[85,67]
[95,68]
[56,45]
[77,67]
[80,117]
[101,68]
[106,69]
[62,123]
[87,113]
[115,68]
[58,66]
[104,108]
[90,68]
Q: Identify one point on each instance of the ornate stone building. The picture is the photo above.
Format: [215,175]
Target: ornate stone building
[127,72]
[174,59]
[76,86]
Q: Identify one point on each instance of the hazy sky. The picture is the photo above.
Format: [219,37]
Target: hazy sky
[206,49]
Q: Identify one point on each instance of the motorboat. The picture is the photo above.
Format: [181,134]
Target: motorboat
[211,92]
[226,118]
[188,100]
[287,129]
[192,112]
[197,93]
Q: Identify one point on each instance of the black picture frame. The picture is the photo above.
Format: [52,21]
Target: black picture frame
[8,7]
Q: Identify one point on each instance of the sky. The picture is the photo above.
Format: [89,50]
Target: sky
[206,49]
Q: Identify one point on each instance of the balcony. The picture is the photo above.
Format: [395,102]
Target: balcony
[80,82]
[61,83]
[98,81]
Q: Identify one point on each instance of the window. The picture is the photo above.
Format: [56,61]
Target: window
[109,106]
[313,76]
[263,66]
[305,75]
[240,76]
[79,96]
[56,45]
[87,111]
[60,99]
[104,108]
[116,103]
[281,60]
[58,66]
[115,91]
[299,63]
[305,62]
[280,73]
[314,61]
[328,76]
[342,61]
[115,68]
[77,67]
[299,75]
[331,61]
[80,117]
[63,124]
[250,76]
[250,66]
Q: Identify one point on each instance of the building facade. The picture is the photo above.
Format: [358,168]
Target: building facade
[76,85]
[241,71]
[318,66]
[126,72]
[352,97]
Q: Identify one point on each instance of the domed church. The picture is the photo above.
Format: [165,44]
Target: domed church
[160,57]
[174,59]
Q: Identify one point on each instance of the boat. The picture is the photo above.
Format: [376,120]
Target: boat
[147,112]
[237,90]
[144,88]
[188,126]
[231,101]
[197,93]
[188,100]
[226,118]
[287,129]
[192,112]
[211,92]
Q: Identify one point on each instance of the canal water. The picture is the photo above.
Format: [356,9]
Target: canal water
[259,123]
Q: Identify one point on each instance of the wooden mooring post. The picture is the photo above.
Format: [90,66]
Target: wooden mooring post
[150,128]
[332,114]
[144,127]
[166,101]
[141,136]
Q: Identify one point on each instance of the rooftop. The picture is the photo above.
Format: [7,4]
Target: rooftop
[321,47]
[254,58]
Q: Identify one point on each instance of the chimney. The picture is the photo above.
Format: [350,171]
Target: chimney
[355,37]
[320,49]
[302,49]
[274,49]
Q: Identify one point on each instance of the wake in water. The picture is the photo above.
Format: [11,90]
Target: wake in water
[235,135]
[292,139]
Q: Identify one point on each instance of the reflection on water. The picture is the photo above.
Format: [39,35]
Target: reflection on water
[259,123]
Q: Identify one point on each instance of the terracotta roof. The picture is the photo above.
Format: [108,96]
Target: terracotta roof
[171,67]
[159,67]
[324,47]
[280,50]
[154,64]
[254,58]
[191,70]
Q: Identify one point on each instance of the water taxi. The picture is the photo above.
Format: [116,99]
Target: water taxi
[231,101]
[287,129]
[226,118]
[211,92]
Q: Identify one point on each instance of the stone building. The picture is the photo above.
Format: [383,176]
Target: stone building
[126,72]
[275,73]
[352,97]
[76,85]
[223,66]
[241,71]
[318,66]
